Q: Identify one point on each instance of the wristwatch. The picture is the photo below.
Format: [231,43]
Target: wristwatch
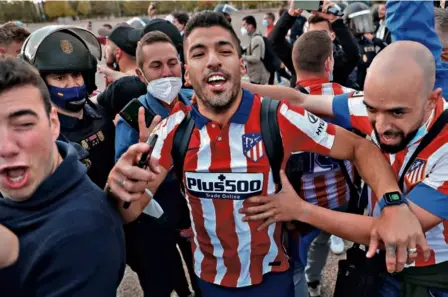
[391,199]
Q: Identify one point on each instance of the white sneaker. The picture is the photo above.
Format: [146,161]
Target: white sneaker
[336,245]
[314,289]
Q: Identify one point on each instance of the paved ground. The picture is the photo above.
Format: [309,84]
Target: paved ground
[130,286]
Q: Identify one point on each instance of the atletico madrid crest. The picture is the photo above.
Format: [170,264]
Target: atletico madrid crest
[253,146]
[416,171]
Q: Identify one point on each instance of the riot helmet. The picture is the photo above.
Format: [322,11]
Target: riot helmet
[138,22]
[64,49]
[358,18]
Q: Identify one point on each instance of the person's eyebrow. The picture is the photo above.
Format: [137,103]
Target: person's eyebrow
[22,112]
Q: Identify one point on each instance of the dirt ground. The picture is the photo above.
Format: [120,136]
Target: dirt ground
[130,286]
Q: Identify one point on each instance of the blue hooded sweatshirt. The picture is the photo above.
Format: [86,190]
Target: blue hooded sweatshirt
[71,237]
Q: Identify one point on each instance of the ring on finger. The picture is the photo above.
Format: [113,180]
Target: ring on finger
[122,183]
[412,251]
[391,249]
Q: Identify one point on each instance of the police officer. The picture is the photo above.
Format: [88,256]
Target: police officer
[359,19]
[66,58]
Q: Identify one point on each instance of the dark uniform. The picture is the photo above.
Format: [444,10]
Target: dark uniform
[64,49]
[359,19]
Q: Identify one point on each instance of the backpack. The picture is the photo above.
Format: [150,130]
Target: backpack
[270,61]
[273,143]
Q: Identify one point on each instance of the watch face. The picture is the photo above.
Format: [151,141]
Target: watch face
[394,197]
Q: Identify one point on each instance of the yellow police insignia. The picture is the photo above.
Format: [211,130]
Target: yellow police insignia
[100,135]
[66,46]
[364,58]
[84,144]
[87,163]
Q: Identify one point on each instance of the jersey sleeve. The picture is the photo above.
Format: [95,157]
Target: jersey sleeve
[414,20]
[304,131]
[166,131]
[432,193]
[351,113]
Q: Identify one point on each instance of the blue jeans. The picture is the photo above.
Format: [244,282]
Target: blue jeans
[300,284]
[391,288]
[279,284]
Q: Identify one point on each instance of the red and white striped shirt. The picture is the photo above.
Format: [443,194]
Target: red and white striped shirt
[426,181]
[324,184]
[223,167]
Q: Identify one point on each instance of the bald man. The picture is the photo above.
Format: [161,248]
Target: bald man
[9,247]
[396,110]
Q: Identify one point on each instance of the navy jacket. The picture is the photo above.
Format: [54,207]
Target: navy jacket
[168,194]
[71,237]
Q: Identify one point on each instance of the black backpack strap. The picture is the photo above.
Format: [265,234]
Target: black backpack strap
[355,205]
[272,139]
[427,139]
[302,89]
[180,147]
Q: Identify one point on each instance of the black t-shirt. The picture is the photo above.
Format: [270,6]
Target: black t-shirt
[119,93]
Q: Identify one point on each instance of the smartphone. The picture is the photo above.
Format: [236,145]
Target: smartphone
[143,162]
[130,114]
[309,5]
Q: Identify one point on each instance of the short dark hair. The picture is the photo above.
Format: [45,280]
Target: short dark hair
[315,19]
[147,39]
[311,50]
[227,16]
[281,11]
[16,73]
[181,17]
[10,33]
[250,20]
[208,19]
[109,26]
[271,16]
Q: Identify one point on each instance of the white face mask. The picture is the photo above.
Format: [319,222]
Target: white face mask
[243,31]
[165,89]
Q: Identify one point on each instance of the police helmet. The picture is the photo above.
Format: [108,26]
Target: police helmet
[225,8]
[138,22]
[61,49]
[358,17]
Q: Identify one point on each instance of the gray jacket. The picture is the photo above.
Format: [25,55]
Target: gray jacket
[255,52]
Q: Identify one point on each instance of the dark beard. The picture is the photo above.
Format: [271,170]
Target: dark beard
[393,149]
[219,109]
[113,65]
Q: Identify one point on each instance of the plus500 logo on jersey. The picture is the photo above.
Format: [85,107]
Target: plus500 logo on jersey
[234,186]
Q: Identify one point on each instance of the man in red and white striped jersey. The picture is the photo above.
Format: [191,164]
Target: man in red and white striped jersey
[397,109]
[226,164]
[322,182]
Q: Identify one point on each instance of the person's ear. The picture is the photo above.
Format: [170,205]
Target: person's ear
[187,76]
[433,98]
[140,76]
[54,123]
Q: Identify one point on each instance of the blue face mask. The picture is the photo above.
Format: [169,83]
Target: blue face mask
[265,23]
[70,99]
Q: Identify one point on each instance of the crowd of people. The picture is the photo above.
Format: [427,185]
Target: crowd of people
[245,164]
